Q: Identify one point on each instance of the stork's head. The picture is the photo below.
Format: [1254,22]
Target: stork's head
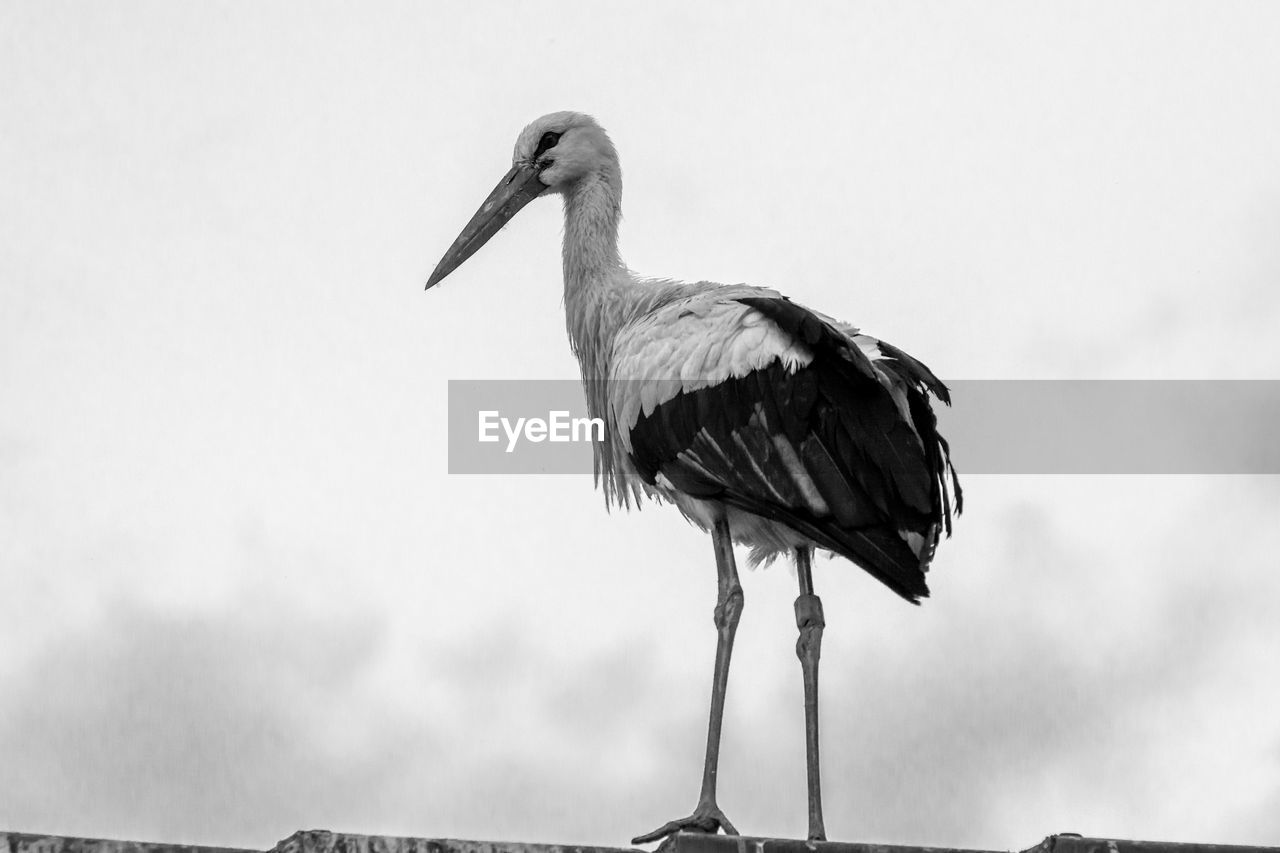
[554,154]
[564,148]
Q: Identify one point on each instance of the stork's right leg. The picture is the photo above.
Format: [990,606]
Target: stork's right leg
[808,648]
[707,816]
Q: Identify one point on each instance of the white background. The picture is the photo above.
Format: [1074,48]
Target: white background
[241,596]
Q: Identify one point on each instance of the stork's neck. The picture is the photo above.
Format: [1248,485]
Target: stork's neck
[597,286]
[592,208]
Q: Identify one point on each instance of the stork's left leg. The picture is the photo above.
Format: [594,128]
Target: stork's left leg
[808,648]
[707,816]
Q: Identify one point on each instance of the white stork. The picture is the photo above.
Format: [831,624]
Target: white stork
[764,422]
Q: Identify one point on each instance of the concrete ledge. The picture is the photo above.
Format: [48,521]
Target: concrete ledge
[321,841]
[689,842]
[1068,843]
[19,842]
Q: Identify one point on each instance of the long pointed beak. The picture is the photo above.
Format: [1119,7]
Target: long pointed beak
[516,189]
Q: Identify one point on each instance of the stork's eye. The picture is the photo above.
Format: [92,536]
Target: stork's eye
[548,140]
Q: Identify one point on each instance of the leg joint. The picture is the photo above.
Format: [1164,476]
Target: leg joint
[810,622]
[809,612]
[729,608]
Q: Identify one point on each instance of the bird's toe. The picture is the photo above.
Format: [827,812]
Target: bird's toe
[706,819]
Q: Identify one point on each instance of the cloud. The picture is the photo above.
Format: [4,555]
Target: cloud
[178,726]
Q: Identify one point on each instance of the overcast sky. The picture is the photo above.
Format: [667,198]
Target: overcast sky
[242,596]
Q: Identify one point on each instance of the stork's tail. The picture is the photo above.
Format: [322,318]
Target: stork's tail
[888,557]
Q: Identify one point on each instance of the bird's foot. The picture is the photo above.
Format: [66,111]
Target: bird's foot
[707,818]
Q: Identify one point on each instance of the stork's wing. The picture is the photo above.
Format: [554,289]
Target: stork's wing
[829,433]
